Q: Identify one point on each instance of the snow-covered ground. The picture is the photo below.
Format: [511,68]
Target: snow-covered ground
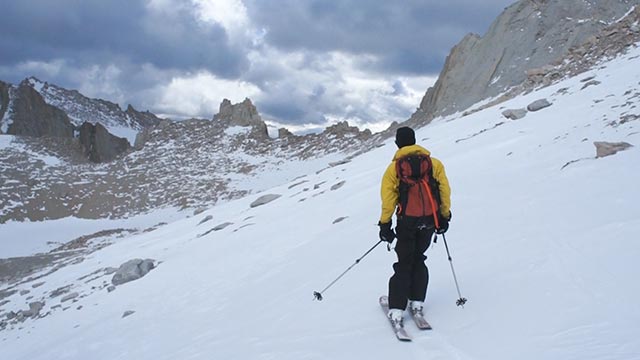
[23,238]
[546,253]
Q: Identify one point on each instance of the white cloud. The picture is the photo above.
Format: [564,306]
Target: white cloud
[230,14]
[101,81]
[334,87]
[200,95]
[49,69]
[93,80]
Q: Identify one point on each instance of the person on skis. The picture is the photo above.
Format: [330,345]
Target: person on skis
[415,187]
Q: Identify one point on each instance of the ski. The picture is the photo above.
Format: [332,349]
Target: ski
[400,332]
[420,321]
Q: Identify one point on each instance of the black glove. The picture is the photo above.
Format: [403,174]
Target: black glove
[386,234]
[444,223]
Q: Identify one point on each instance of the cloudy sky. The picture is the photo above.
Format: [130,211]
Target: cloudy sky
[303,63]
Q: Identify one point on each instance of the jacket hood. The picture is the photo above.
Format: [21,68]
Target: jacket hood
[410,149]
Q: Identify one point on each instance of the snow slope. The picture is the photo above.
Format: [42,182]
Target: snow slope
[545,252]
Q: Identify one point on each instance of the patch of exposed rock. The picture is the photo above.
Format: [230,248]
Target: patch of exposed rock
[337,185]
[99,145]
[70,296]
[604,148]
[207,218]
[30,115]
[15,268]
[34,309]
[264,199]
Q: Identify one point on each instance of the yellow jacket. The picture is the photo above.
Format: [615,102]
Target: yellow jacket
[390,183]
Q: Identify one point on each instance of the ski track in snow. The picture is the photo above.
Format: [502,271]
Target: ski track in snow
[545,255]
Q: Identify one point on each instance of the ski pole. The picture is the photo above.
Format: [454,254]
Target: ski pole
[461,301]
[318,295]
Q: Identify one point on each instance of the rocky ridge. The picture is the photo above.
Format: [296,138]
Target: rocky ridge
[25,113]
[81,109]
[527,35]
[186,164]
[605,45]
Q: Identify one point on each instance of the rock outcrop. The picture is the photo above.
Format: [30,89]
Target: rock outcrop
[132,270]
[525,38]
[609,42]
[4,100]
[81,109]
[264,199]
[604,148]
[144,119]
[99,145]
[514,114]
[242,114]
[30,115]
[538,105]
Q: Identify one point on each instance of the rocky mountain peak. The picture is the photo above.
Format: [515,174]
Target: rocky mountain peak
[527,35]
[343,129]
[81,109]
[241,114]
[26,113]
[143,119]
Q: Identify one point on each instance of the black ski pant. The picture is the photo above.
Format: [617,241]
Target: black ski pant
[411,276]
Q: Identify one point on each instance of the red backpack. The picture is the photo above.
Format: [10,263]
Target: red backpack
[418,192]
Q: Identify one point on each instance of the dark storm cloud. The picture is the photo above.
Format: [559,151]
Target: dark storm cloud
[128,51]
[98,32]
[410,36]
[287,112]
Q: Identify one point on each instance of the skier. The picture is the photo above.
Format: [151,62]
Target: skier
[416,187]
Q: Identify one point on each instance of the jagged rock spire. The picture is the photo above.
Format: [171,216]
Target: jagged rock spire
[241,114]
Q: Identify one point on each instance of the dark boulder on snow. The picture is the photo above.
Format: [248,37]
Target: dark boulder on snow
[264,199]
[538,105]
[34,309]
[68,297]
[207,218]
[221,226]
[132,270]
[604,148]
[514,114]
[340,219]
[338,185]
